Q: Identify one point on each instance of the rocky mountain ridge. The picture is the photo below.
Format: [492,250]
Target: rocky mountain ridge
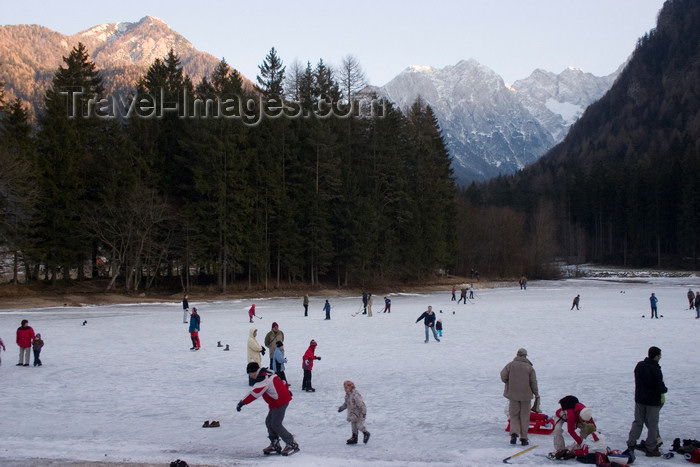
[30,54]
[491,128]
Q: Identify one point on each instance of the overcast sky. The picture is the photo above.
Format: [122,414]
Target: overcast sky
[512,37]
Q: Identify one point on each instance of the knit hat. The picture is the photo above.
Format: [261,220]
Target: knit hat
[279,344]
[252,367]
[586,414]
[313,342]
[194,310]
[349,384]
[522,352]
[274,325]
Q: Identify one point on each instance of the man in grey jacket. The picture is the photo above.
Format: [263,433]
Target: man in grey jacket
[521,385]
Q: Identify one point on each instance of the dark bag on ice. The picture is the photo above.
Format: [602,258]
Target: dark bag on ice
[587,458]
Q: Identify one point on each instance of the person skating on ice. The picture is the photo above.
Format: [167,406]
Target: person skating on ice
[278,361]
[307,364]
[428,318]
[276,393]
[387,305]
[194,329]
[357,412]
[37,345]
[185,308]
[272,338]
[255,350]
[691,299]
[653,301]
[577,300]
[25,338]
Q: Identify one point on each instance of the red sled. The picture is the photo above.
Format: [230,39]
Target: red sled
[540,424]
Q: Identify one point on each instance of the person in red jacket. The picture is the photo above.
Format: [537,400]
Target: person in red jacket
[251,312]
[570,413]
[276,393]
[25,339]
[307,365]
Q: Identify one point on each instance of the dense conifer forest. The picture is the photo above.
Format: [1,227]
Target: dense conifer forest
[302,180]
[623,188]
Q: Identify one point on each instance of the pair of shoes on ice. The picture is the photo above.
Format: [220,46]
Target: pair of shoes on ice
[212,424]
[309,390]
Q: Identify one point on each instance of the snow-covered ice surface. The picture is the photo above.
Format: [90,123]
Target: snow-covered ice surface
[126,388]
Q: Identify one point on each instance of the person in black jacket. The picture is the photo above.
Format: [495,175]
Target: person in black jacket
[649,390]
[428,318]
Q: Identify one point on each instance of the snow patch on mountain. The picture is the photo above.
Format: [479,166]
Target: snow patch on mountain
[567,111]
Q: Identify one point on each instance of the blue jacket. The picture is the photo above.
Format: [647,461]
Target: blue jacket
[653,301]
[278,361]
[194,323]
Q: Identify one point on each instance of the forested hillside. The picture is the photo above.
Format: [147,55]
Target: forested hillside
[216,184]
[623,187]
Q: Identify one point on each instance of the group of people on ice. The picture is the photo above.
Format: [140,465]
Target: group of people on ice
[367,300]
[464,290]
[27,341]
[271,383]
[520,380]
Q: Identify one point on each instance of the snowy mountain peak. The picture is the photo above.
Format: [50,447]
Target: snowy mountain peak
[491,128]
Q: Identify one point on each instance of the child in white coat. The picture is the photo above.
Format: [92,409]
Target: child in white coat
[357,412]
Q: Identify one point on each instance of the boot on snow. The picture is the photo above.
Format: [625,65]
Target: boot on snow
[352,440]
[365,436]
[274,447]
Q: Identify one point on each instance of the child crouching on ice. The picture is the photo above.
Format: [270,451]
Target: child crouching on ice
[357,411]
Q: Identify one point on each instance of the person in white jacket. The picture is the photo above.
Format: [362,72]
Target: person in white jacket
[254,351]
[357,412]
